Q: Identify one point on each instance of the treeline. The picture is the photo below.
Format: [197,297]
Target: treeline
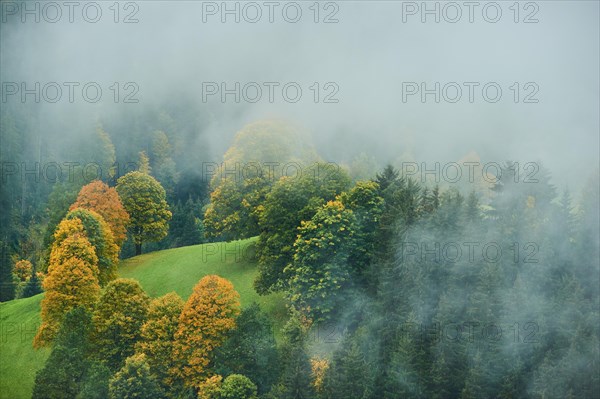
[45,161]
[438,293]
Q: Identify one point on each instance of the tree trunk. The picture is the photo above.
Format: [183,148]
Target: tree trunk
[138,249]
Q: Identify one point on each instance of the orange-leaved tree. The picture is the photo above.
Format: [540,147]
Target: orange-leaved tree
[72,279]
[97,196]
[207,316]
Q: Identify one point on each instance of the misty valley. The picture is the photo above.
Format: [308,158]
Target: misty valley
[299,200]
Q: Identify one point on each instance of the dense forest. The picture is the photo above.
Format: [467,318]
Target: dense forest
[395,286]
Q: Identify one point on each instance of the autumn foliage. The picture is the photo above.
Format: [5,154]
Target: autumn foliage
[97,196]
[118,318]
[71,281]
[158,334]
[22,270]
[206,318]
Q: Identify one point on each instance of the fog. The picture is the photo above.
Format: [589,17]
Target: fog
[367,54]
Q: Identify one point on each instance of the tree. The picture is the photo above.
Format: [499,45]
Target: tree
[232,212]
[367,205]
[7,285]
[290,201]
[22,270]
[296,380]
[68,362]
[158,335]
[237,386]
[162,163]
[144,163]
[348,374]
[32,287]
[144,200]
[260,154]
[104,154]
[71,282]
[95,382]
[210,388]
[186,228]
[118,318]
[101,238]
[250,349]
[134,380]
[207,316]
[97,196]
[319,272]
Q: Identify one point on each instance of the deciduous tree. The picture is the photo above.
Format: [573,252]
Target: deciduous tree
[118,318]
[207,316]
[97,196]
[145,201]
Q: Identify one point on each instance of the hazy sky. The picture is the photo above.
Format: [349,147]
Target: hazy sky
[369,55]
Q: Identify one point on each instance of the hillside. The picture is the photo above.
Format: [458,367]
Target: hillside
[158,272]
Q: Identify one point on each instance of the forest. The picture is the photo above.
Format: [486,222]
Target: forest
[310,200]
[419,290]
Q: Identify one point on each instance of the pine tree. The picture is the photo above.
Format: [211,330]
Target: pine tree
[68,362]
[7,285]
[296,378]
[250,349]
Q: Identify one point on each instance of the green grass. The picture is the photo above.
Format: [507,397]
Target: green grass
[158,272]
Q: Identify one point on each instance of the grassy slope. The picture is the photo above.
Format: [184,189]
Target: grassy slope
[159,272]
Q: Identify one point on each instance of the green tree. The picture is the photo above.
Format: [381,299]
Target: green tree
[319,272]
[260,154]
[237,386]
[95,382]
[118,318]
[250,349]
[186,228]
[144,199]
[7,285]
[348,375]
[163,165]
[134,380]
[296,377]
[367,206]
[291,201]
[101,238]
[68,362]
[33,286]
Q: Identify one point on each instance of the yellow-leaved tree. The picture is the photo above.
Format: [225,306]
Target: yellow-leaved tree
[207,316]
[72,279]
[158,336]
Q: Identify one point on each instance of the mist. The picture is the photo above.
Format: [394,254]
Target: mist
[367,54]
